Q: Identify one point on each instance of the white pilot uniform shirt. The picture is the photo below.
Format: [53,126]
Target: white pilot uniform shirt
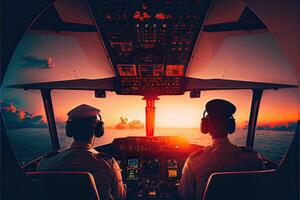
[221,156]
[81,156]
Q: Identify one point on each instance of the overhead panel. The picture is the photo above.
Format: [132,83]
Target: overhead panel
[149,43]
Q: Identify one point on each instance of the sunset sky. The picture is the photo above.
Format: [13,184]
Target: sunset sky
[253,57]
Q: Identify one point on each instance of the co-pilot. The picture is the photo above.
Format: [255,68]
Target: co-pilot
[220,156]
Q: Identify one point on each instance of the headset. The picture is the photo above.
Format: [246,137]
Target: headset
[206,123]
[98,128]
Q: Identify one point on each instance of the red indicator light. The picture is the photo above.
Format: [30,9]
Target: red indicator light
[163,16]
[141,16]
[146,15]
[160,16]
[137,15]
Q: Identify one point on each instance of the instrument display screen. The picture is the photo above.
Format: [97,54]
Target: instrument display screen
[132,169]
[127,70]
[172,173]
[175,70]
[172,168]
[151,70]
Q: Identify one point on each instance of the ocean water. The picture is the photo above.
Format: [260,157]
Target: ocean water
[30,143]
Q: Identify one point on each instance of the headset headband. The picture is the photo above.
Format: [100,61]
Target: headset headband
[204,113]
[100,117]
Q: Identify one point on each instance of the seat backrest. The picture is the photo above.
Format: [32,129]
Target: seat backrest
[66,185]
[282,183]
[235,185]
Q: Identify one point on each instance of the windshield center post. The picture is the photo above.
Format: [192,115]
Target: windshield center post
[150,114]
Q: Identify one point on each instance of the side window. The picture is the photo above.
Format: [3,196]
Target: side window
[47,55]
[276,124]
[25,123]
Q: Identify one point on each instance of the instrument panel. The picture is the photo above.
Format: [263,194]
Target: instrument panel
[151,166]
[149,39]
[150,86]
[150,70]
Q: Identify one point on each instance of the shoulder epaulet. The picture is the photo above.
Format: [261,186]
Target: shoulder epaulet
[247,149]
[50,154]
[198,151]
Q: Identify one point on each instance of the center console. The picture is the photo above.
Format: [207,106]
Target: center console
[151,166]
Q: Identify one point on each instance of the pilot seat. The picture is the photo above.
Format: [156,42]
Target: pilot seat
[275,184]
[65,185]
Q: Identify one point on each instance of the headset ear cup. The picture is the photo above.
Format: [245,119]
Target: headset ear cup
[231,125]
[68,131]
[99,129]
[204,125]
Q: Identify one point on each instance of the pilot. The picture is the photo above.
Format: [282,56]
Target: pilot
[84,124]
[221,156]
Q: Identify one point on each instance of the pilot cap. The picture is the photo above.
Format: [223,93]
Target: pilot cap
[83,111]
[220,107]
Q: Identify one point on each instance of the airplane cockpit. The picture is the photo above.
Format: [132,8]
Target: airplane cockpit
[151,49]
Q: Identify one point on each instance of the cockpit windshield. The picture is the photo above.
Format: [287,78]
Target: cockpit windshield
[175,116]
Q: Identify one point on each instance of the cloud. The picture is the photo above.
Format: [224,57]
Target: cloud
[134,124]
[10,108]
[17,118]
[280,126]
[21,115]
[35,62]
